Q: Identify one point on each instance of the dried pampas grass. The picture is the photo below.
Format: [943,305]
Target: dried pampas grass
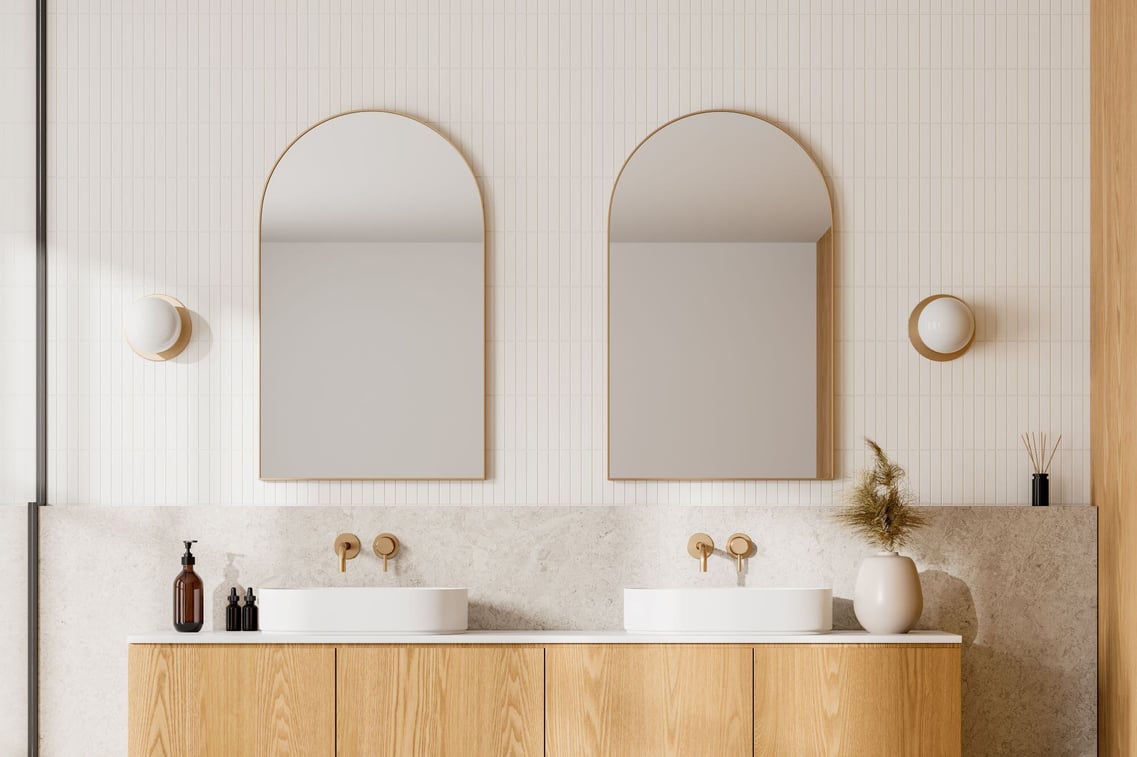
[879,507]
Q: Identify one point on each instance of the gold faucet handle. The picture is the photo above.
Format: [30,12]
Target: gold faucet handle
[739,546]
[347,547]
[700,546]
[386,546]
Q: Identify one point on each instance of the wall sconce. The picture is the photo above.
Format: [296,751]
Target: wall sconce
[941,327]
[157,327]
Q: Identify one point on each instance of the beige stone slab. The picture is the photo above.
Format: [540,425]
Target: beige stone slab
[1018,584]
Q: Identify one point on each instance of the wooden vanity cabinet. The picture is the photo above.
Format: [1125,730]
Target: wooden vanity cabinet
[648,699]
[578,700]
[439,700]
[885,700]
[187,700]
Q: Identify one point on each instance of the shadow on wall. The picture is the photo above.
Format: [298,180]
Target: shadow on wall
[231,577]
[484,615]
[1008,699]
[200,343]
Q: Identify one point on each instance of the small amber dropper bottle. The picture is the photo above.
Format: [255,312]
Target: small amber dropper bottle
[189,599]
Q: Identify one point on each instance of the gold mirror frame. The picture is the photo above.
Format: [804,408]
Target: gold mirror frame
[826,308]
[485,303]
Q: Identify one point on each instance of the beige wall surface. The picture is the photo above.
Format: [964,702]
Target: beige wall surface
[955,144]
[956,147]
[17,355]
[1016,583]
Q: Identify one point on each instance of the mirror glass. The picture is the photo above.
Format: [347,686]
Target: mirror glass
[371,310]
[720,316]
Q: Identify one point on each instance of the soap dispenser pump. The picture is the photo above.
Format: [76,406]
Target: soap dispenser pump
[189,597]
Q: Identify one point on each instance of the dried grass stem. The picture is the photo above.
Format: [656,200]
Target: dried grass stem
[879,506]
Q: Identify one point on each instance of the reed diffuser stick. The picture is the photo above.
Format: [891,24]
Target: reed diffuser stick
[1051,458]
[1029,451]
[1041,454]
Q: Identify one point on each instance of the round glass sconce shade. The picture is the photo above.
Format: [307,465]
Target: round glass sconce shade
[157,327]
[942,327]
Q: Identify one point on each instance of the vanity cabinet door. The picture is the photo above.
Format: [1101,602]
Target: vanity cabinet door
[439,700]
[857,699]
[650,699]
[187,700]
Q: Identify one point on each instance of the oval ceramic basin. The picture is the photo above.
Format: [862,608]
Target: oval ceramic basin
[363,610]
[728,610]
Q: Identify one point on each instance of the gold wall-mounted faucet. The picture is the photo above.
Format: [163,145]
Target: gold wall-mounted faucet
[739,546]
[700,546]
[347,547]
[386,546]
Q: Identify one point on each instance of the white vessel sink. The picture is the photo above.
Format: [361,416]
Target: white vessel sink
[363,610]
[729,610]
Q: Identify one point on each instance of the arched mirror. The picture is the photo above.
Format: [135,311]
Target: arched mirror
[720,306]
[371,311]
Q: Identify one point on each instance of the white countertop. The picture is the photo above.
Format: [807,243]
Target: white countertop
[541,637]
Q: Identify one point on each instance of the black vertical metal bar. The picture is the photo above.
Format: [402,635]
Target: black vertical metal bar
[41,252]
[41,379]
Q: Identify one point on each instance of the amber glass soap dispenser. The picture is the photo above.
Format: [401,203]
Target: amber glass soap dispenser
[189,598]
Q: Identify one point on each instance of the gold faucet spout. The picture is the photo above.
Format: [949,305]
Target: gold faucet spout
[701,546]
[347,547]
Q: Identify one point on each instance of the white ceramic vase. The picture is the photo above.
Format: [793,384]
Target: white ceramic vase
[887,597]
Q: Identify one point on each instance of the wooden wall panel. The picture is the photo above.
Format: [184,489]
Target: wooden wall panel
[440,700]
[857,699]
[826,356]
[1113,361]
[616,700]
[196,699]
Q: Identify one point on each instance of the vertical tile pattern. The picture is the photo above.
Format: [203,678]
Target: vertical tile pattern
[17,252]
[953,135]
[17,353]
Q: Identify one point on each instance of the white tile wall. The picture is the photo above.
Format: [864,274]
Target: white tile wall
[17,354]
[954,134]
[17,252]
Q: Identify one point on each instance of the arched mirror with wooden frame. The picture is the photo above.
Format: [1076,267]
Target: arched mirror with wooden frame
[720,306]
[371,306]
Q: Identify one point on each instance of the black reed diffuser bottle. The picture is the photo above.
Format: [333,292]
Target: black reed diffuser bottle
[1040,489]
[1036,447]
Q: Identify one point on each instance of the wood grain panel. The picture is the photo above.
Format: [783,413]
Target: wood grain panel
[199,699]
[1113,361]
[616,700]
[846,699]
[440,700]
[826,392]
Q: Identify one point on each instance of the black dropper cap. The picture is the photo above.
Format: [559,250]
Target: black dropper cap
[233,595]
[249,598]
[187,558]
